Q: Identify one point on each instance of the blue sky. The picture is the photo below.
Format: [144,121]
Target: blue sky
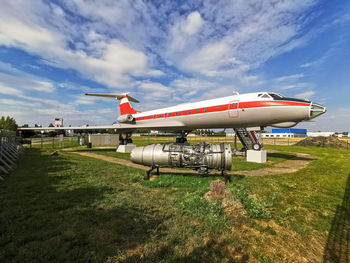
[169,52]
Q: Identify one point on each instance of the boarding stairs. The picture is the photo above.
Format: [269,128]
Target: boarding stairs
[250,139]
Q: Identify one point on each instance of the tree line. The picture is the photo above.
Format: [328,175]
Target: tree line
[8,123]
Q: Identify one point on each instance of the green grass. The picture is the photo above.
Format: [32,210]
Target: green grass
[69,208]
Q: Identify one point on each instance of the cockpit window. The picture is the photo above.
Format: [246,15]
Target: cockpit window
[264,96]
[276,96]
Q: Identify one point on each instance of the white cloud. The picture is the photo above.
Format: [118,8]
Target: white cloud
[13,78]
[289,78]
[193,23]
[9,91]
[305,95]
[154,91]
[113,64]
[238,36]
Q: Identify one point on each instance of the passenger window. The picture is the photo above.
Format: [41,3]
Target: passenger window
[205,109]
[197,110]
[189,112]
[175,113]
[217,107]
[169,114]
[233,105]
[183,113]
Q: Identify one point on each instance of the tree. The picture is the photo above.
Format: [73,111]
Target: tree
[8,123]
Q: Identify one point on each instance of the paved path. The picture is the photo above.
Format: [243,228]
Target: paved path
[289,166]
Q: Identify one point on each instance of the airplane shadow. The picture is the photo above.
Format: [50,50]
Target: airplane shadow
[338,243]
[290,156]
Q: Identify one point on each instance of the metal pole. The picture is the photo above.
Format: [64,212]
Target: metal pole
[41,141]
[148,137]
[235,146]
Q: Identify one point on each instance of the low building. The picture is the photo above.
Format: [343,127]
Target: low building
[104,139]
[320,133]
[285,133]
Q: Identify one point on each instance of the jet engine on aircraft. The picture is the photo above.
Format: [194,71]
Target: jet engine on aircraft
[127,118]
[202,157]
[284,124]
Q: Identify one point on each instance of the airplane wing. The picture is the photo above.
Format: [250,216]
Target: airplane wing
[171,125]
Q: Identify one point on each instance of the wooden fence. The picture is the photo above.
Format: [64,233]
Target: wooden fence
[10,148]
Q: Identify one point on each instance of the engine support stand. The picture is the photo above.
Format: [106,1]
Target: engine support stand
[227,176]
[148,172]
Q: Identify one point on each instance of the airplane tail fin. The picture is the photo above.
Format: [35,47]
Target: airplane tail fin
[123,99]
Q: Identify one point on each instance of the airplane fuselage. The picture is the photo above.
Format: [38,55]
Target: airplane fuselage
[245,110]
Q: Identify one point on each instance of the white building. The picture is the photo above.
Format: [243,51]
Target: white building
[319,133]
[277,135]
[58,122]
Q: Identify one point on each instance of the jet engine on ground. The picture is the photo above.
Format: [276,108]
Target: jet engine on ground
[202,157]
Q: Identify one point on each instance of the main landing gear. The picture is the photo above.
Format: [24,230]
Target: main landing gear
[183,138]
[125,143]
[124,139]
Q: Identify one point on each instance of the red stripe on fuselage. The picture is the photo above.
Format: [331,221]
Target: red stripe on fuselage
[224,107]
[257,104]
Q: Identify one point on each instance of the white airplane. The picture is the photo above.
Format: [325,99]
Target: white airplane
[258,109]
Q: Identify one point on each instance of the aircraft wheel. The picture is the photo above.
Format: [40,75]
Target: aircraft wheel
[256,146]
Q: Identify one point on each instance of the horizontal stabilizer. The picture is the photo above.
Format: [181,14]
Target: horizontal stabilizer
[117,96]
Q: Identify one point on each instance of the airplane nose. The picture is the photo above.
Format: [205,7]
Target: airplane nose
[316,110]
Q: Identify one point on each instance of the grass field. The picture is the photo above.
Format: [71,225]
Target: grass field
[69,208]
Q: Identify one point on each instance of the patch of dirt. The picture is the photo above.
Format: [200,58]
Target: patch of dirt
[289,166]
[217,191]
[323,142]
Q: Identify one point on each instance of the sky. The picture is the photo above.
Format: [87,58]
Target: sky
[166,53]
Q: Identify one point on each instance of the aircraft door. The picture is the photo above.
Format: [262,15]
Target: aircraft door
[233,109]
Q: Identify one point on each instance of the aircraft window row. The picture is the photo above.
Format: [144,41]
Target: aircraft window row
[177,113]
